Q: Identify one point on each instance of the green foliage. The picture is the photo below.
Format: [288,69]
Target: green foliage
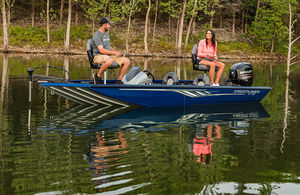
[37,35]
[233,47]
[270,27]
[99,8]
[19,35]
[52,15]
[79,33]
[210,6]
[94,8]
[172,7]
[165,44]
[201,33]
[131,7]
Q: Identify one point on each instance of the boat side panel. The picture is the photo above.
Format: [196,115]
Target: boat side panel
[178,97]
[161,95]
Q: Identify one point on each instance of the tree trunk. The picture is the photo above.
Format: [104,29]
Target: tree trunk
[146,27]
[93,26]
[149,23]
[188,32]
[61,13]
[233,22]
[291,42]
[169,25]
[67,43]
[128,31]
[211,21]
[32,12]
[242,19]
[155,20]
[221,19]
[272,45]
[257,8]
[172,24]
[5,34]
[181,28]
[48,21]
[194,27]
[8,15]
[177,30]
[123,4]
[76,14]
[246,25]
[211,17]
[190,24]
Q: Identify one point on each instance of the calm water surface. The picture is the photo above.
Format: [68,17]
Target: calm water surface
[54,146]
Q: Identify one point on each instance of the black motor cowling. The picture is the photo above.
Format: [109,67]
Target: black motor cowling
[241,74]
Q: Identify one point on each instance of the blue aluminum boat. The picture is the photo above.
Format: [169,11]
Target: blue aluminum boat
[141,89]
[155,95]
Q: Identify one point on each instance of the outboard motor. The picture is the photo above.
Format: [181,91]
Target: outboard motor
[241,74]
[136,77]
[171,78]
[202,80]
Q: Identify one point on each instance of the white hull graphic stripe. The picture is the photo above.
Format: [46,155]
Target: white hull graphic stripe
[187,92]
[107,99]
[85,96]
[70,95]
[81,94]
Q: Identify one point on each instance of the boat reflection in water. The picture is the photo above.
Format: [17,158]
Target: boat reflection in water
[108,153]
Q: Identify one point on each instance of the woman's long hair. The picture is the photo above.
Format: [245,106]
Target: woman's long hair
[213,39]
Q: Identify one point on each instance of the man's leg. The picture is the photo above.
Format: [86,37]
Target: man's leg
[124,68]
[104,66]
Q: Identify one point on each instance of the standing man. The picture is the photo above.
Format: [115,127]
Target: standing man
[105,54]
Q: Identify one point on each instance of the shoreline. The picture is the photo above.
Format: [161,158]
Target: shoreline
[257,57]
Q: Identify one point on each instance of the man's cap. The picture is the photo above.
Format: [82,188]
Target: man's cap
[105,20]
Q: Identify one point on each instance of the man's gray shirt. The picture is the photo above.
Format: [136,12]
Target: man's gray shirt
[100,38]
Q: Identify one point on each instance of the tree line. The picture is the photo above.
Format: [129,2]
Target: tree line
[262,23]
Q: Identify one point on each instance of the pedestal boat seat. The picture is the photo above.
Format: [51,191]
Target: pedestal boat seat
[196,66]
[89,50]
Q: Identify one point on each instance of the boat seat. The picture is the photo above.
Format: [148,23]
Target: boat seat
[199,67]
[89,50]
[171,78]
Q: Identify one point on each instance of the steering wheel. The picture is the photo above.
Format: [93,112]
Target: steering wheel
[149,73]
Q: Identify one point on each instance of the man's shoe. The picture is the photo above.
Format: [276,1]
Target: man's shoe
[97,79]
[119,82]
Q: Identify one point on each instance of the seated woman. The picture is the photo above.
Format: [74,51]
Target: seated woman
[207,50]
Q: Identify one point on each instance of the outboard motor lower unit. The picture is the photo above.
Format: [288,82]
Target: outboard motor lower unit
[241,74]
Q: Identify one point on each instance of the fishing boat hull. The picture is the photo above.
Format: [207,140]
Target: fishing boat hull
[156,95]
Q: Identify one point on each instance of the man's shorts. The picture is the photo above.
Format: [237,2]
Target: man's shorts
[100,59]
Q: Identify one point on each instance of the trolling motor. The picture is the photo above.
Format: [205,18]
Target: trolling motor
[42,78]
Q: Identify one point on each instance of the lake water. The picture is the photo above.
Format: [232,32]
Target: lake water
[55,146]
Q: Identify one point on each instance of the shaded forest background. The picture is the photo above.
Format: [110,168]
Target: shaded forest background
[165,27]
